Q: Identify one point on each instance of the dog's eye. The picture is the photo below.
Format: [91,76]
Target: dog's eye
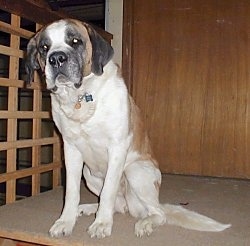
[45,48]
[75,41]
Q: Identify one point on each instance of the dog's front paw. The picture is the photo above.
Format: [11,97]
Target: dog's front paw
[100,229]
[61,228]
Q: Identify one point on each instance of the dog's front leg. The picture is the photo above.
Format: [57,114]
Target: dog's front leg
[103,223]
[74,164]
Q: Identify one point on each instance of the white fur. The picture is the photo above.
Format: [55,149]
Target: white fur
[56,32]
[100,135]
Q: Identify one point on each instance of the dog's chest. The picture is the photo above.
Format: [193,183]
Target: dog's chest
[92,142]
[83,128]
[71,108]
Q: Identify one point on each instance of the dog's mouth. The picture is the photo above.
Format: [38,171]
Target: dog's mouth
[63,80]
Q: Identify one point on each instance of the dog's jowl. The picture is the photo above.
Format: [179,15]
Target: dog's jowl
[103,135]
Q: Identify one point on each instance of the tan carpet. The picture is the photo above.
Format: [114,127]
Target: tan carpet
[225,200]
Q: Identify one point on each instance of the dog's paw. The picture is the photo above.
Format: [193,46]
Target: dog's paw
[100,229]
[143,227]
[87,209]
[61,228]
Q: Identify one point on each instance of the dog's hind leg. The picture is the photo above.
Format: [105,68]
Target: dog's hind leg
[95,185]
[87,209]
[143,181]
[91,208]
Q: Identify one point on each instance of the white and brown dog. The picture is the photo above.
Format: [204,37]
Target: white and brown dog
[101,128]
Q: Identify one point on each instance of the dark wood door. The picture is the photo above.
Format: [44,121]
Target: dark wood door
[187,65]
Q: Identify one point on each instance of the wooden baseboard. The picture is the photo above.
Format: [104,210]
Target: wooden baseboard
[9,242]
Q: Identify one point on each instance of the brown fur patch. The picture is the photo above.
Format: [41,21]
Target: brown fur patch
[84,31]
[141,141]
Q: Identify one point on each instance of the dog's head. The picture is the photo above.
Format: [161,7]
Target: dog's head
[67,51]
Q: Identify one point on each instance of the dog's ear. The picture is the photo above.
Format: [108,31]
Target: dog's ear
[31,62]
[102,52]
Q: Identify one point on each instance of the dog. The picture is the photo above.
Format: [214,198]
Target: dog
[103,135]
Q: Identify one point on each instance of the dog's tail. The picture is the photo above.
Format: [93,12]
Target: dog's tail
[177,215]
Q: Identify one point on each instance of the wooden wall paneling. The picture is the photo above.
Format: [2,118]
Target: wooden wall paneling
[127,43]
[190,78]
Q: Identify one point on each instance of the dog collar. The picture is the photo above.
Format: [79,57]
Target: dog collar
[86,97]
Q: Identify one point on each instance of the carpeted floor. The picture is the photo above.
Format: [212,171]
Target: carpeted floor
[228,201]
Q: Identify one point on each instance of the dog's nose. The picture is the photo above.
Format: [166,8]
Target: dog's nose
[57,59]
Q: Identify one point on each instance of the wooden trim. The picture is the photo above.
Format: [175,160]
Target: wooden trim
[11,242]
[127,47]
[35,238]
[7,242]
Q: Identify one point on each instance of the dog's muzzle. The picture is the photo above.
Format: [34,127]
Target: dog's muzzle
[62,67]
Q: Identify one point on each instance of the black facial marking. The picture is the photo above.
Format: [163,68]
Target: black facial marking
[44,46]
[73,38]
[102,52]
[31,60]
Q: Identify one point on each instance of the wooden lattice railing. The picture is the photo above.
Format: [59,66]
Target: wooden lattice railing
[13,116]
[30,149]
